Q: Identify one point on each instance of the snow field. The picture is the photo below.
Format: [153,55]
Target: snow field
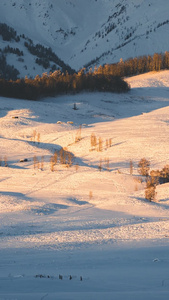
[80,220]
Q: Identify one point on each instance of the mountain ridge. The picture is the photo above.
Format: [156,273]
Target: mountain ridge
[86,33]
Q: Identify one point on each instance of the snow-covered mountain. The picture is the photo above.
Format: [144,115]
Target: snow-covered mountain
[86,32]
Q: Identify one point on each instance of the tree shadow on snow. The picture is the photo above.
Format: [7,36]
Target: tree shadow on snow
[152,203]
[48,209]
[76,201]
[17,196]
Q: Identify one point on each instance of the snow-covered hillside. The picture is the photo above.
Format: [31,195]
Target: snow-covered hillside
[83,31]
[88,220]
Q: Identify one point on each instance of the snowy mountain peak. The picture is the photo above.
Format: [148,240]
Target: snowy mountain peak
[87,32]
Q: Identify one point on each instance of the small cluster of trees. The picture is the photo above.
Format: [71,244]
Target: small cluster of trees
[59,83]
[16,51]
[97,143]
[135,66]
[8,33]
[162,175]
[7,71]
[61,277]
[163,23]
[63,156]
[151,182]
[45,63]
[107,29]
[46,55]
[153,178]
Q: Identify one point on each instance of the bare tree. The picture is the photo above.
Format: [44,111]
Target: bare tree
[131,167]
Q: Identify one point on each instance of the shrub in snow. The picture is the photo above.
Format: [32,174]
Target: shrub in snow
[150,193]
[151,181]
[93,141]
[164,174]
[161,176]
[143,167]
